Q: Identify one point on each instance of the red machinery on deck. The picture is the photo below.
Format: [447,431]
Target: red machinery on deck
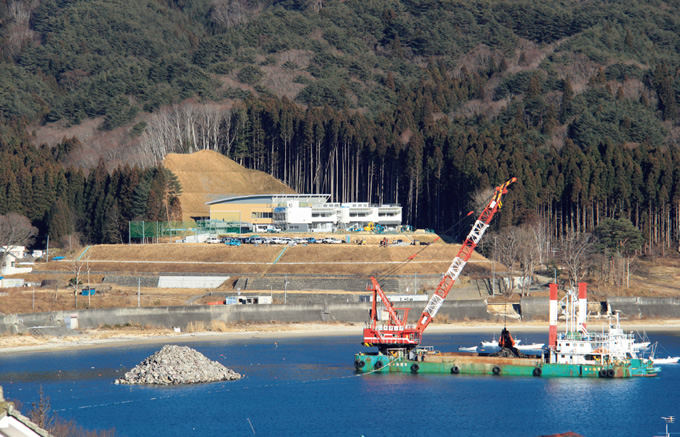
[396,332]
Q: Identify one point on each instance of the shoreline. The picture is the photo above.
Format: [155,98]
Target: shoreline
[109,339]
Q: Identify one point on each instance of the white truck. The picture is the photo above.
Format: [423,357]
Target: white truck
[265,228]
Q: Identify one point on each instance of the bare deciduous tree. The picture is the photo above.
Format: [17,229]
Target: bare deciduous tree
[76,267]
[15,230]
[507,245]
[540,230]
[576,251]
[18,30]
[188,128]
[481,198]
[528,254]
[229,13]
[41,412]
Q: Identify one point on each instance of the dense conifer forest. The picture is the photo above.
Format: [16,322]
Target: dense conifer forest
[421,103]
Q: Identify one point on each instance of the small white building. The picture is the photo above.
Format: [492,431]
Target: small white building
[17,251]
[10,265]
[248,300]
[301,213]
[295,215]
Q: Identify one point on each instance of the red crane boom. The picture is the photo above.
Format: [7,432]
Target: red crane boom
[396,331]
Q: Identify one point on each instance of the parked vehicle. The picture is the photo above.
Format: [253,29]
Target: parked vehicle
[256,240]
[213,240]
[312,240]
[330,240]
[265,228]
[233,242]
[399,243]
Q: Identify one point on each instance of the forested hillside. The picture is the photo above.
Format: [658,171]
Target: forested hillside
[424,103]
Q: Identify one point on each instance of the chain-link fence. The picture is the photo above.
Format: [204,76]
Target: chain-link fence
[217,227]
[156,231]
[189,231]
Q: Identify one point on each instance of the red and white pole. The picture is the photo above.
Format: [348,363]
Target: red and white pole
[582,305]
[552,333]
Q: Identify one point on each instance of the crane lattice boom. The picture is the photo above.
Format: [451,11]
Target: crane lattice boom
[397,332]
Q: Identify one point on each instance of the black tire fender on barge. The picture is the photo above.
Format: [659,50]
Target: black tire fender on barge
[537,371]
[378,365]
[455,370]
[496,370]
[414,368]
[610,373]
[359,364]
[602,373]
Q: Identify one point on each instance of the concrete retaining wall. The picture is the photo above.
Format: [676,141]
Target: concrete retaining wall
[645,307]
[632,308]
[131,281]
[246,283]
[330,310]
[535,308]
[191,281]
[181,316]
[462,310]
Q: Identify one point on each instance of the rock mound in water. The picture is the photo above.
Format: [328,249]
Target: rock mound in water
[174,365]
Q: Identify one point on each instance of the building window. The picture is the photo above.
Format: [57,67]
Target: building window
[261,215]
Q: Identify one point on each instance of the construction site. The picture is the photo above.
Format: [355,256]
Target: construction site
[286,283]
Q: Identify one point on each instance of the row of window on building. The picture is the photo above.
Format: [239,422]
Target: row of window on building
[302,213]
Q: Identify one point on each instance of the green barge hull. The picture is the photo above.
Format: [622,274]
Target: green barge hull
[458,363]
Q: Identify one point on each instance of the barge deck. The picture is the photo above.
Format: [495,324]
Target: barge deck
[462,363]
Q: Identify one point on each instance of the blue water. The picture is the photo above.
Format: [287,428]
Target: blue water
[308,387]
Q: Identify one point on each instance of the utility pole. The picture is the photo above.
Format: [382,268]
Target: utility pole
[139,286]
[285,288]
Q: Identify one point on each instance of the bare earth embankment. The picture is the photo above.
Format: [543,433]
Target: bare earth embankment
[158,259]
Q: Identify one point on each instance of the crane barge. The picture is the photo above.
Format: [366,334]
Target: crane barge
[577,352]
[396,332]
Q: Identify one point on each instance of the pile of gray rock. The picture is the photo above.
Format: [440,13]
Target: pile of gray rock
[178,365]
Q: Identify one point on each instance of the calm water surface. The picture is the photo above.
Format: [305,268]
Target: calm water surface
[308,387]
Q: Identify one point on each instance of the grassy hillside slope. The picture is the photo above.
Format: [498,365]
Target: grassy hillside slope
[208,175]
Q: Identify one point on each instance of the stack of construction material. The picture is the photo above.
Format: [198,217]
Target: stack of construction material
[174,365]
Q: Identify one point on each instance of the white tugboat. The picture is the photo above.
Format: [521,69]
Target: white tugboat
[610,352]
